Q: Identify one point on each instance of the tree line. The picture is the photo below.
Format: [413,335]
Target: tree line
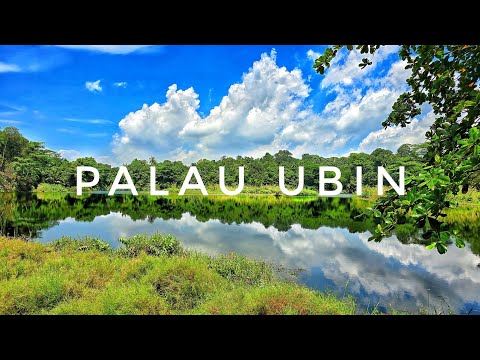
[25,164]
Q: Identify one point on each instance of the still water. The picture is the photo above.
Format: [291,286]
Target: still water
[320,236]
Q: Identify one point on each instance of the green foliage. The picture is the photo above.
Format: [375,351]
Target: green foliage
[30,166]
[447,78]
[50,188]
[83,244]
[65,280]
[155,245]
[25,164]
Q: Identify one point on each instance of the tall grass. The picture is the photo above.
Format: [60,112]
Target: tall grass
[148,275]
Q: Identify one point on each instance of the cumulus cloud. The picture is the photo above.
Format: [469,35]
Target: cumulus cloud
[393,137]
[268,110]
[397,75]
[122,84]
[366,113]
[5,67]
[312,55]
[93,86]
[109,49]
[362,103]
[344,69]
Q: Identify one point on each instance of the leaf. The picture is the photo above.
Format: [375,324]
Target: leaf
[420,209]
[444,178]
[444,236]
[441,248]
[427,235]
[431,246]
[460,243]
[474,133]
[380,229]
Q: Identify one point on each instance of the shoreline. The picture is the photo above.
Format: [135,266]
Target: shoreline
[148,275]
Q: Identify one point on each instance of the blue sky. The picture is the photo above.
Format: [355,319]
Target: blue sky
[201,101]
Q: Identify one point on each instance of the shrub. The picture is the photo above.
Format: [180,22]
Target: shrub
[155,245]
[50,188]
[82,244]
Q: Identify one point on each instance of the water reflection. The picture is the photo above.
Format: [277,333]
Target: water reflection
[318,235]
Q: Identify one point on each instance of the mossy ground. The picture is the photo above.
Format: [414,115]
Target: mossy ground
[148,275]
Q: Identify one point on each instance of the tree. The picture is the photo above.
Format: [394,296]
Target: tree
[412,151]
[447,78]
[140,172]
[12,144]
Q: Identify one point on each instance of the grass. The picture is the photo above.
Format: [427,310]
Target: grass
[147,275]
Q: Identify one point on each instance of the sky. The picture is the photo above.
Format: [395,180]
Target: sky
[121,102]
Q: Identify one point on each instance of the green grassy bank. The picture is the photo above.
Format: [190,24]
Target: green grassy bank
[147,275]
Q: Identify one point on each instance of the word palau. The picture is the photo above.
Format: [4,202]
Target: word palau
[323,180]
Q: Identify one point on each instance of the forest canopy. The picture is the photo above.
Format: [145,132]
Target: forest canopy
[24,165]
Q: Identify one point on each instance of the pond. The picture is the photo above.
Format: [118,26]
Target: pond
[322,236]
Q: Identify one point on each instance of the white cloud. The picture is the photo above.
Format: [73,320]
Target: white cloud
[9,109]
[89,121]
[10,122]
[67,131]
[122,84]
[31,59]
[392,137]
[70,155]
[344,69]
[360,106]
[268,110]
[367,112]
[5,67]
[397,75]
[109,49]
[93,86]
[264,112]
[312,55]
